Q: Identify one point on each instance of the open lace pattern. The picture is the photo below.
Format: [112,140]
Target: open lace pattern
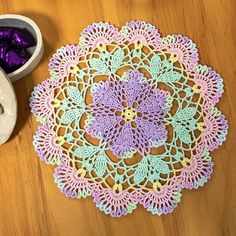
[129,118]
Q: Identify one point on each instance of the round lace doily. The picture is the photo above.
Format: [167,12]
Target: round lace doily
[129,118]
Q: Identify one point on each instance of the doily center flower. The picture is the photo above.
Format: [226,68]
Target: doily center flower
[128,115]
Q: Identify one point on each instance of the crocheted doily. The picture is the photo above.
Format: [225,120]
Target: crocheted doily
[129,118]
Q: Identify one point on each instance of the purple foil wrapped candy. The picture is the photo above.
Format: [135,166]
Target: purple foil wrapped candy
[14,60]
[23,38]
[14,41]
[4,47]
[6,33]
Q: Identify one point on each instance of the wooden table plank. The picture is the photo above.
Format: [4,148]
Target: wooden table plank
[30,202]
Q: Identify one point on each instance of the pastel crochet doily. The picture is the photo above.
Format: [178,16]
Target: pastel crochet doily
[129,118]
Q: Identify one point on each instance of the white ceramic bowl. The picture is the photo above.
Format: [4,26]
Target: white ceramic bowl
[8,110]
[36,52]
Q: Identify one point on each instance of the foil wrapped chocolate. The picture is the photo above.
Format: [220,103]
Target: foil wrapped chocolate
[13,45]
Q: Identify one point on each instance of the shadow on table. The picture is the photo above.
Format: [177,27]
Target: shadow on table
[24,86]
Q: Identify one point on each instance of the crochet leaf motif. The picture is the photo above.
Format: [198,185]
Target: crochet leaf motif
[129,118]
[184,122]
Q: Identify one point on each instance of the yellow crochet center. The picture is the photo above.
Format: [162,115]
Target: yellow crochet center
[129,114]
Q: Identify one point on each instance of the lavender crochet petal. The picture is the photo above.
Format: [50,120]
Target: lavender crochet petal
[107,95]
[133,89]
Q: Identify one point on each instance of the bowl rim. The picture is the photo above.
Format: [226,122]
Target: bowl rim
[38,47]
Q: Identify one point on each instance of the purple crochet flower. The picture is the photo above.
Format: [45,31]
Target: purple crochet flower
[128,115]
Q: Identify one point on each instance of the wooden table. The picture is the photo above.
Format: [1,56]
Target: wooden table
[30,202]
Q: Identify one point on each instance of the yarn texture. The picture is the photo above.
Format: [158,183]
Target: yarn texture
[129,118]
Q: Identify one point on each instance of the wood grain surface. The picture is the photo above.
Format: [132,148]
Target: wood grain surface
[30,202]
